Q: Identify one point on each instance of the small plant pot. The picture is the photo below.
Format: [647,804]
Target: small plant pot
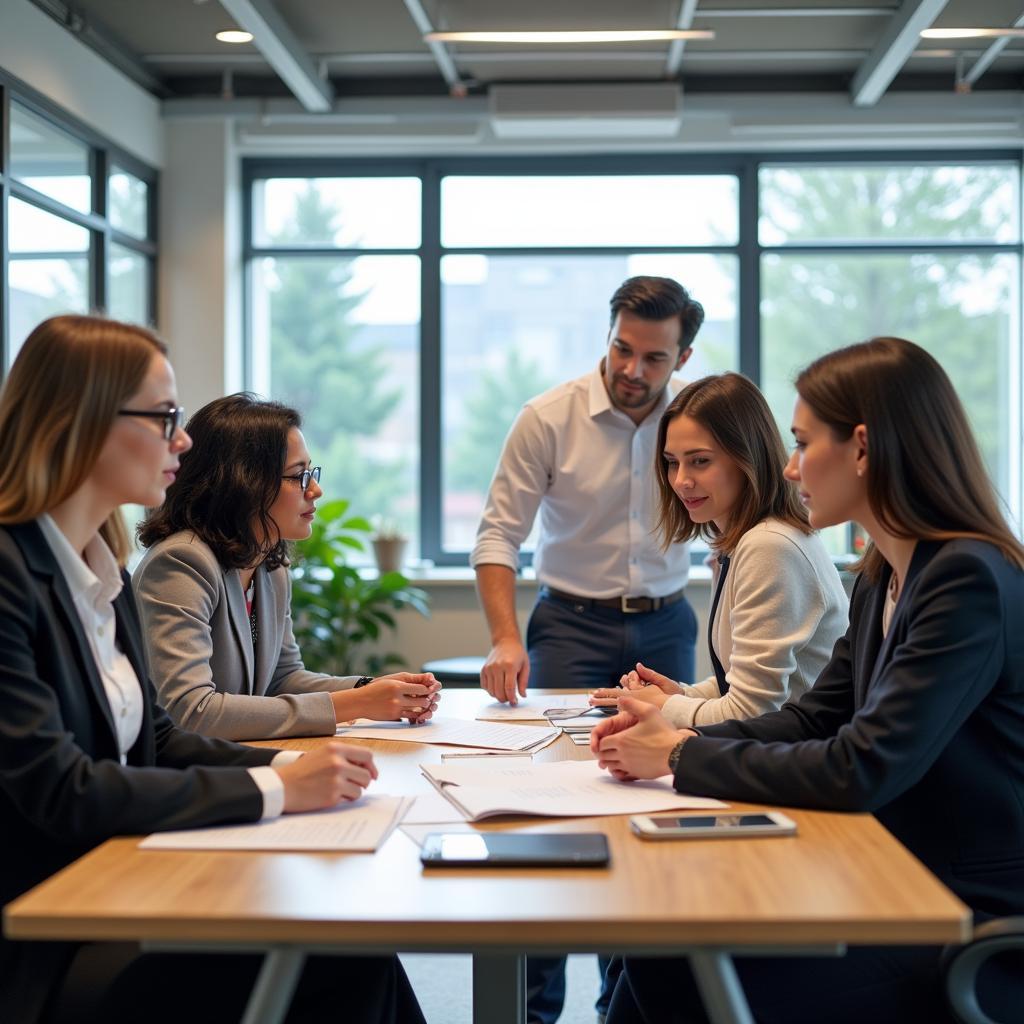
[389,553]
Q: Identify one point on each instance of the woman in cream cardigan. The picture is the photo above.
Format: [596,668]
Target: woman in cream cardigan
[215,594]
[779,605]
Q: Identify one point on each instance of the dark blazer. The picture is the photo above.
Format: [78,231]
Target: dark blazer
[63,789]
[924,728]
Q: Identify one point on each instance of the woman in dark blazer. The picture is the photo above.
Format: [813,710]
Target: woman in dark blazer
[89,420]
[919,715]
[215,594]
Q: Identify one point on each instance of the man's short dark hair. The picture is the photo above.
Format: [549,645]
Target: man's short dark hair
[660,298]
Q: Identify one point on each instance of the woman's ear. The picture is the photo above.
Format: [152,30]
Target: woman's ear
[860,437]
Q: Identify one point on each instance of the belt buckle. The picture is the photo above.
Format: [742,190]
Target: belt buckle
[626,609]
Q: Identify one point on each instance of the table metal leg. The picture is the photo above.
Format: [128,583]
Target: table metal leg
[720,988]
[275,985]
[499,989]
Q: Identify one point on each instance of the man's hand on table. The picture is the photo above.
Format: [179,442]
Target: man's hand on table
[329,775]
[636,743]
[506,671]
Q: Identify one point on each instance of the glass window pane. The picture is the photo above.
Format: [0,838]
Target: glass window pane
[349,213]
[48,271]
[129,285]
[48,160]
[514,326]
[961,308]
[338,339]
[623,210]
[128,202]
[891,203]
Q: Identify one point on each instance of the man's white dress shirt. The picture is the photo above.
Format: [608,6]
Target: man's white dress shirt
[589,469]
[94,582]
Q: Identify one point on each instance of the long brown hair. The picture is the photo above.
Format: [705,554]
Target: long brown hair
[919,442]
[57,407]
[731,409]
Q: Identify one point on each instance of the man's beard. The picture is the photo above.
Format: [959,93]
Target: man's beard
[628,399]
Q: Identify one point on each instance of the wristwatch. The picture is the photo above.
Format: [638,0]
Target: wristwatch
[673,757]
[362,681]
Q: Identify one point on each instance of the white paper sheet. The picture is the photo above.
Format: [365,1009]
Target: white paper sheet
[530,709]
[432,807]
[418,833]
[361,826]
[450,730]
[553,789]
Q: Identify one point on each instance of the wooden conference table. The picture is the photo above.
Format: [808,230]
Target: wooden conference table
[841,880]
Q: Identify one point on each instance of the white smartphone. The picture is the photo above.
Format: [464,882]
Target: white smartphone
[713,826]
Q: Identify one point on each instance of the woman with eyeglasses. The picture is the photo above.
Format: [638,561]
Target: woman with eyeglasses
[779,605]
[918,717]
[89,421]
[215,594]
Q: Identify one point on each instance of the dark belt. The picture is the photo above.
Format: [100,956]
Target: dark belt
[626,605]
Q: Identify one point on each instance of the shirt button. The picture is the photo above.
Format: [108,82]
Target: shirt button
[99,631]
[124,712]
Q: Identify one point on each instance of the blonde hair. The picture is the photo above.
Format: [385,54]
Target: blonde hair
[57,407]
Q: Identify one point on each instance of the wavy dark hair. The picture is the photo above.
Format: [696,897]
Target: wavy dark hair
[228,482]
[919,440]
[731,409]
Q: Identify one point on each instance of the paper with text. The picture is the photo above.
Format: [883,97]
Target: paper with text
[554,789]
[530,708]
[456,732]
[360,826]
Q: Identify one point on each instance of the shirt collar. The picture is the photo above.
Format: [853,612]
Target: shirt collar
[600,401]
[96,577]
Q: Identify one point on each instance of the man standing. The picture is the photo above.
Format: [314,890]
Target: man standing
[583,454]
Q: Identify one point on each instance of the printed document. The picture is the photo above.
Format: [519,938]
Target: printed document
[531,709]
[456,732]
[359,826]
[553,789]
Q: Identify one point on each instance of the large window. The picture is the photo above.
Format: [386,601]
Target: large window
[77,223]
[410,309]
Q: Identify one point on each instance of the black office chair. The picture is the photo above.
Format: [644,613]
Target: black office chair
[456,672]
[962,964]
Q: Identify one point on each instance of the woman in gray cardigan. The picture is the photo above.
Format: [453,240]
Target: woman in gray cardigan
[779,605]
[215,593]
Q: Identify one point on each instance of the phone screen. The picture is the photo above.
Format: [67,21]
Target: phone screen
[508,848]
[713,821]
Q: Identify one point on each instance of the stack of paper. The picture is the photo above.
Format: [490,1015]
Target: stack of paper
[451,730]
[552,789]
[362,825]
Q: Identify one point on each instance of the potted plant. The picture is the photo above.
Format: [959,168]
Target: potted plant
[339,616]
[388,545]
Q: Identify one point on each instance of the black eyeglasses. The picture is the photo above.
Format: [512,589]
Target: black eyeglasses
[303,478]
[173,419]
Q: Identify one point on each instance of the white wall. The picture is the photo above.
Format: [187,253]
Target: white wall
[200,284]
[34,48]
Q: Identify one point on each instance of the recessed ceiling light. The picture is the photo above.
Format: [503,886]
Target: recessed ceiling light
[629,36]
[972,33]
[233,35]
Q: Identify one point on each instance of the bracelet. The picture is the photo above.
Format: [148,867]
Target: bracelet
[673,757]
[362,681]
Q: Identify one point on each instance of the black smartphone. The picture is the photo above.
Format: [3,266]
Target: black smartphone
[515,849]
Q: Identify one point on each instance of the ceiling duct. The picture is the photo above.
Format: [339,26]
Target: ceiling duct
[585,111]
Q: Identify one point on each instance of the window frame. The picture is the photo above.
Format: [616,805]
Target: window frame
[748,250]
[103,155]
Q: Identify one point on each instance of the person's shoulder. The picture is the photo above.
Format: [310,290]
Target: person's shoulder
[561,395]
[962,556]
[183,546]
[773,535]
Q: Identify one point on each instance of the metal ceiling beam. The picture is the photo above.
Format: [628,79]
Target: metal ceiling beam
[687,9]
[898,42]
[985,61]
[797,12]
[443,59]
[278,43]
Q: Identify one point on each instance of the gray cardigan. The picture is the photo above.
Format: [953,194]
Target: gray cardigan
[782,609]
[201,654]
